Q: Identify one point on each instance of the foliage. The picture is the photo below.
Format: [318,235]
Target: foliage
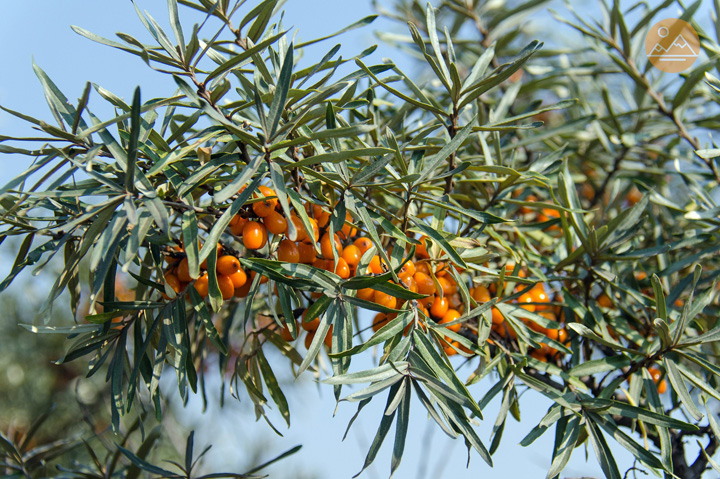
[556,199]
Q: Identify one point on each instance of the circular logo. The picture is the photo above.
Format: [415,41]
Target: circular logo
[672,45]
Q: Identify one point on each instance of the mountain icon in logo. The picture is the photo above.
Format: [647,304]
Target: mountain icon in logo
[679,50]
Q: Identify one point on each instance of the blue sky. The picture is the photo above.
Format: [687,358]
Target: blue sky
[40,30]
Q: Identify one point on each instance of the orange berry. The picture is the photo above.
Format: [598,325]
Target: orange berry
[310,325]
[266,206]
[562,335]
[321,216]
[275,223]
[640,275]
[450,316]
[183,271]
[307,254]
[309,339]
[538,294]
[263,279]
[425,283]
[286,334]
[376,265]
[237,227]
[347,230]
[526,298]
[366,294]
[633,196]
[421,249]
[363,243]
[227,265]
[497,317]
[662,387]
[288,251]
[342,269]
[172,259]
[384,299]
[447,286]
[408,269]
[440,307]
[481,294]
[351,254]
[201,285]
[410,283]
[326,245]
[316,232]
[254,235]
[655,373]
[174,283]
[301,232]
[239,278]
[244,290]
[227,289]
[422,267]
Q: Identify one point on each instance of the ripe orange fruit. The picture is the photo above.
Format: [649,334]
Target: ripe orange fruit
[172,259]
[662,387]
[242,291]
[425,283]
[408,269]
[266,206]
[307,254]
[321,216]
[481,294]
[254,235]
[239,278]
[447,285]
[605,301]
[263,279]
[526,298]
[422,267]
[183,271]
[351,254]
[288,251]
[227,265]
[174,283]
[327,245]
[227,289]
[655,373]
[237,224]
[497,317]
[201,285]
[286,334]
[376,265]
[384,299]
[342,269]
[363,243]
[421,249]
[633,196]
[440,307]
[410,283]
[315,236]
[301,232]
[450,316]
[347,230]
[366,294]
[311,324]
[275,223]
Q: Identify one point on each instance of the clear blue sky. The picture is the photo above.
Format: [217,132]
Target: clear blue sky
[41,30]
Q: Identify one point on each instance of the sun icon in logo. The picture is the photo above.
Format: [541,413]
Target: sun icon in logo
[672,45]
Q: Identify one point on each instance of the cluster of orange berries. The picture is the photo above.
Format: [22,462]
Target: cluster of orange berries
[231,278]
